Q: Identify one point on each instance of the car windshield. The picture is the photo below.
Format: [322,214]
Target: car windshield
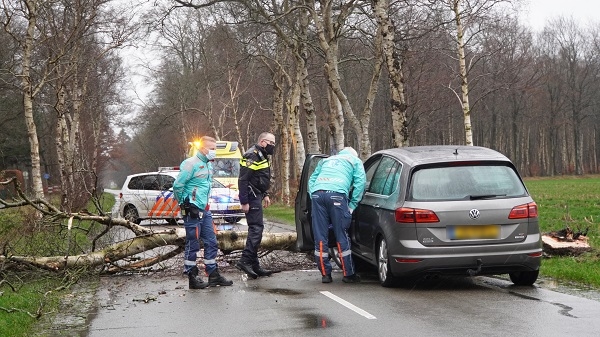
[466,183]
[226,167]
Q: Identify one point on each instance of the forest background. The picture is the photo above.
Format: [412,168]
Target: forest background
[320,75]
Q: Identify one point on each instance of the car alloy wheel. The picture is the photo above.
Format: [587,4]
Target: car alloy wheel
[131,214]
[386,278]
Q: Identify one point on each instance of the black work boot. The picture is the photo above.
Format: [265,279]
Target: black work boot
[196,281]
[246,268]
[354,278]
[215,279]
[261,272]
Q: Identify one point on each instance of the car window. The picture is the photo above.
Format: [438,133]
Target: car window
[370,171]
[166,181]
[385,178]
[217,184]
[392,182]
[226,167]
[136,183]
[150,182]
[466,182]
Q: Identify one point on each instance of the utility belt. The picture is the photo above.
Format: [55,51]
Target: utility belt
[191,210]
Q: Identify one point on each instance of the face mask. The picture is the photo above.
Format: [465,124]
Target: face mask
[269,149]
[212,154]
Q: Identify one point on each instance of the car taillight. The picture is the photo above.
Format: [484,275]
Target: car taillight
[415,215]
[524,211]
[120,195]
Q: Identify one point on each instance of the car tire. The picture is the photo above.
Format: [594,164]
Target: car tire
[524,278]
[334,255]
[131,214]
[386,278]
[232,220]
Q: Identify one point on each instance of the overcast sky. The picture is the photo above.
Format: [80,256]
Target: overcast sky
[539,11]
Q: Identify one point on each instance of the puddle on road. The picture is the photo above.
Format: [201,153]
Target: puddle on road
[315,321]
[568,288]
[280,291]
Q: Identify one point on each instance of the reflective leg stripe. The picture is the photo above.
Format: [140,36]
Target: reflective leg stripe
[189,263]
[321,256]
[318,253]
[197,233]
[213,261]
[341,257]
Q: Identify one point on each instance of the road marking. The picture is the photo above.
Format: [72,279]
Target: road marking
[348,305]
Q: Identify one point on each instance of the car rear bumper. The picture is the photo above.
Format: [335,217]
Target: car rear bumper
[497,259]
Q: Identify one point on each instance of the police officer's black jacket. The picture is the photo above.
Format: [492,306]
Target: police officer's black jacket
[255,173]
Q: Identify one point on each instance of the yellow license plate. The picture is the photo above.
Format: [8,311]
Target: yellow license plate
[478,232]
[234,207]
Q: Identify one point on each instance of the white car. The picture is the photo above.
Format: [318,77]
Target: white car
[149,196]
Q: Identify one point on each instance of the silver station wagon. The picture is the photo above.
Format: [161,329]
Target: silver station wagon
[460,210]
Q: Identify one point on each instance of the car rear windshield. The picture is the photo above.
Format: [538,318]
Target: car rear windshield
[469,182]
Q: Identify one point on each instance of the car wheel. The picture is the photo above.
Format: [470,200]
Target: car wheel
[524,278]
[232,220]
[131,214]
[386,278]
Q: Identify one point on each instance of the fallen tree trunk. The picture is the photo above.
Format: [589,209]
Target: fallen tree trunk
[117,256]
[228,241]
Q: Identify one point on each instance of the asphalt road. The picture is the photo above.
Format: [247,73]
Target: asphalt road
[295,303]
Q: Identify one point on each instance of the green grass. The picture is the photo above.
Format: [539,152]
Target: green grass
[36,291]
[573,202]
[18,307]
[280,213]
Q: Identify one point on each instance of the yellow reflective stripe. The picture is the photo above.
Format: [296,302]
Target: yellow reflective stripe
[256,165]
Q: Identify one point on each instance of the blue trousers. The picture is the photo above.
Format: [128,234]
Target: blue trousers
[196,229]
[331,208]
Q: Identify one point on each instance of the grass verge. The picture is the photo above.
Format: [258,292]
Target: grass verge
[27,296]
[280,213]
[575,202]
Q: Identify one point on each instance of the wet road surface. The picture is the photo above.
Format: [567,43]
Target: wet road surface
[295,303]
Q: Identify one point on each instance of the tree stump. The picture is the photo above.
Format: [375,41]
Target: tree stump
[565,243]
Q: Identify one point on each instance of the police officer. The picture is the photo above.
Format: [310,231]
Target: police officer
[192,189]
[253,183]
[329,187]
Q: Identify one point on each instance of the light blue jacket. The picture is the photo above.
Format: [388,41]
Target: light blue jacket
[194,181]
[338,173]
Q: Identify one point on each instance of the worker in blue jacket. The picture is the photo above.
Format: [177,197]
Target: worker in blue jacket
[192,190]
[329,187]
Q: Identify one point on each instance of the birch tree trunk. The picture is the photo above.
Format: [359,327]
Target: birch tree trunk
[336,122]
[395,73]
[284,139]
[28,98]
[307,103]
[328,28]
[460,44]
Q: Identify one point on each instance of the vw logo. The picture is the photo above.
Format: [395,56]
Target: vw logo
[474,214]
